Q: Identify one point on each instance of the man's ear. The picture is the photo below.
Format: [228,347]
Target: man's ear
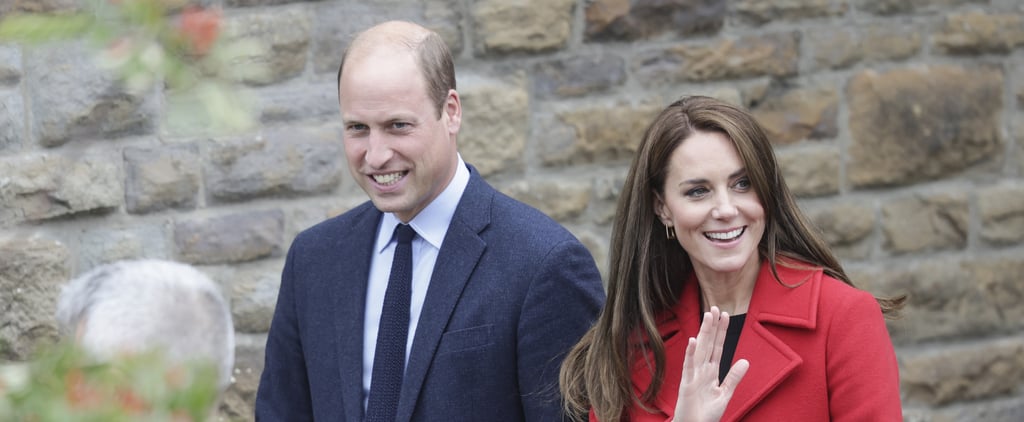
[453,109]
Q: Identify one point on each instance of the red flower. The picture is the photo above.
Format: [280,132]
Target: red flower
[200,28]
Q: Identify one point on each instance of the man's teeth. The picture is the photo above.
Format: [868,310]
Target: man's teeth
[729,235]
[387,179]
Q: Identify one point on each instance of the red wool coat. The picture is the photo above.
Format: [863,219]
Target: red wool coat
[818,352]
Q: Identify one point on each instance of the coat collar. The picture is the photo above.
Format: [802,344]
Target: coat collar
[458,257]
[794,305]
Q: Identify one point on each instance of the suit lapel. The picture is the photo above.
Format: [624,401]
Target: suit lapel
[458,257]
[771,359]
[353,252]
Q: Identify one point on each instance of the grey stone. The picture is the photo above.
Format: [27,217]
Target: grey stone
[1001,209]
[966,372]
[10,65]
[38,6]
[253,297]
[237,402]
[633,20]
[559,200]
[891,7]
[280,161]
[161,178]
[524,26]
[495,121]
[232,238]
[905,129]
[284,33]
[811,171]
[925,222]
[579,75]
[336,24]
[12,121]
[105,244]
[728,58]
[761,12]
[31,273]
[291,103]
[72,98]
[42,186]
[253,3]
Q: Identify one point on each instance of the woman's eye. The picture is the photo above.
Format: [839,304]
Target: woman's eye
[697,192]
[743,184]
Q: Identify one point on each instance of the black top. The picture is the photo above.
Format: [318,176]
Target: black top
[732,336]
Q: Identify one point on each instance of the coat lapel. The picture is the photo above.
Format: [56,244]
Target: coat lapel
[458,257]
[353,251]
[771,360]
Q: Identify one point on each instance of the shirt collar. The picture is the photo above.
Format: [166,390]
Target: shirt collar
[432,222]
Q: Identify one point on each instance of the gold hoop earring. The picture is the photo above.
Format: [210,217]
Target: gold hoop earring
[670,232]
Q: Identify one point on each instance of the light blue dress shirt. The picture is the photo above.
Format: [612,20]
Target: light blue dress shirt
[430,224]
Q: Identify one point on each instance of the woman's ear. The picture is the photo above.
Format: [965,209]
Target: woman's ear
[661,210]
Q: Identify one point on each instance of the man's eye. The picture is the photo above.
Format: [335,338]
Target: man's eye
[400,125]
[356,127]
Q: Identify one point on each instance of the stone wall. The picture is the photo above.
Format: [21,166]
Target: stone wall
[899,123]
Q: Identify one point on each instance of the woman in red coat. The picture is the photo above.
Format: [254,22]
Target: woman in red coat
[704,223]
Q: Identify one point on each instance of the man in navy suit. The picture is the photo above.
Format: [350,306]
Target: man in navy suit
[499,291]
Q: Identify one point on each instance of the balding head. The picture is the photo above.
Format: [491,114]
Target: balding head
[430,51]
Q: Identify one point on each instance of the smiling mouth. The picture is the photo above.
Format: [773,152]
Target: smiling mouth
[725,236]
[390,178]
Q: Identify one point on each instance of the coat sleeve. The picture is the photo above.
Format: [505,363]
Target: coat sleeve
[863,375]
[283,393]
[562,303]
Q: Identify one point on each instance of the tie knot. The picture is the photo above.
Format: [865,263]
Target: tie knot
[404,233]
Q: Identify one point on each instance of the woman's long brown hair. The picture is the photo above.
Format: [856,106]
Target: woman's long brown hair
[647,270]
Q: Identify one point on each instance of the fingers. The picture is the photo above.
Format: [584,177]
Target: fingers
[688,361]
[719,338]
[735,375]
[706,335]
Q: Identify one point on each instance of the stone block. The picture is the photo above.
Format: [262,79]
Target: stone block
[634,20]
[838,48]
[1006,409]
[811,171]
[232,238]
[32,271]
[279,161]
[445,18]
[846,226]
[253,3]
[73,99]
[254,295]
[579,75]
[904,128]
[495,121]
[963,372]
[560,200]
[602,134]
[774,54]
[925,222]
[103,244]
[893,7]
[12,121]
[237,402]
[975,32]
[160,178]
[284,35]
[10,65]
[288,103]
[760,12]
[950,299]
[1001,209]
[43,186]
[798,114]
[38,6]
[529,26]
[335,24]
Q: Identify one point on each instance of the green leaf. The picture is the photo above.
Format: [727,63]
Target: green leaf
[43,28]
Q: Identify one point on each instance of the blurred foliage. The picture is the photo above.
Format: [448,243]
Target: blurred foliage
[176,43]
[64,384]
